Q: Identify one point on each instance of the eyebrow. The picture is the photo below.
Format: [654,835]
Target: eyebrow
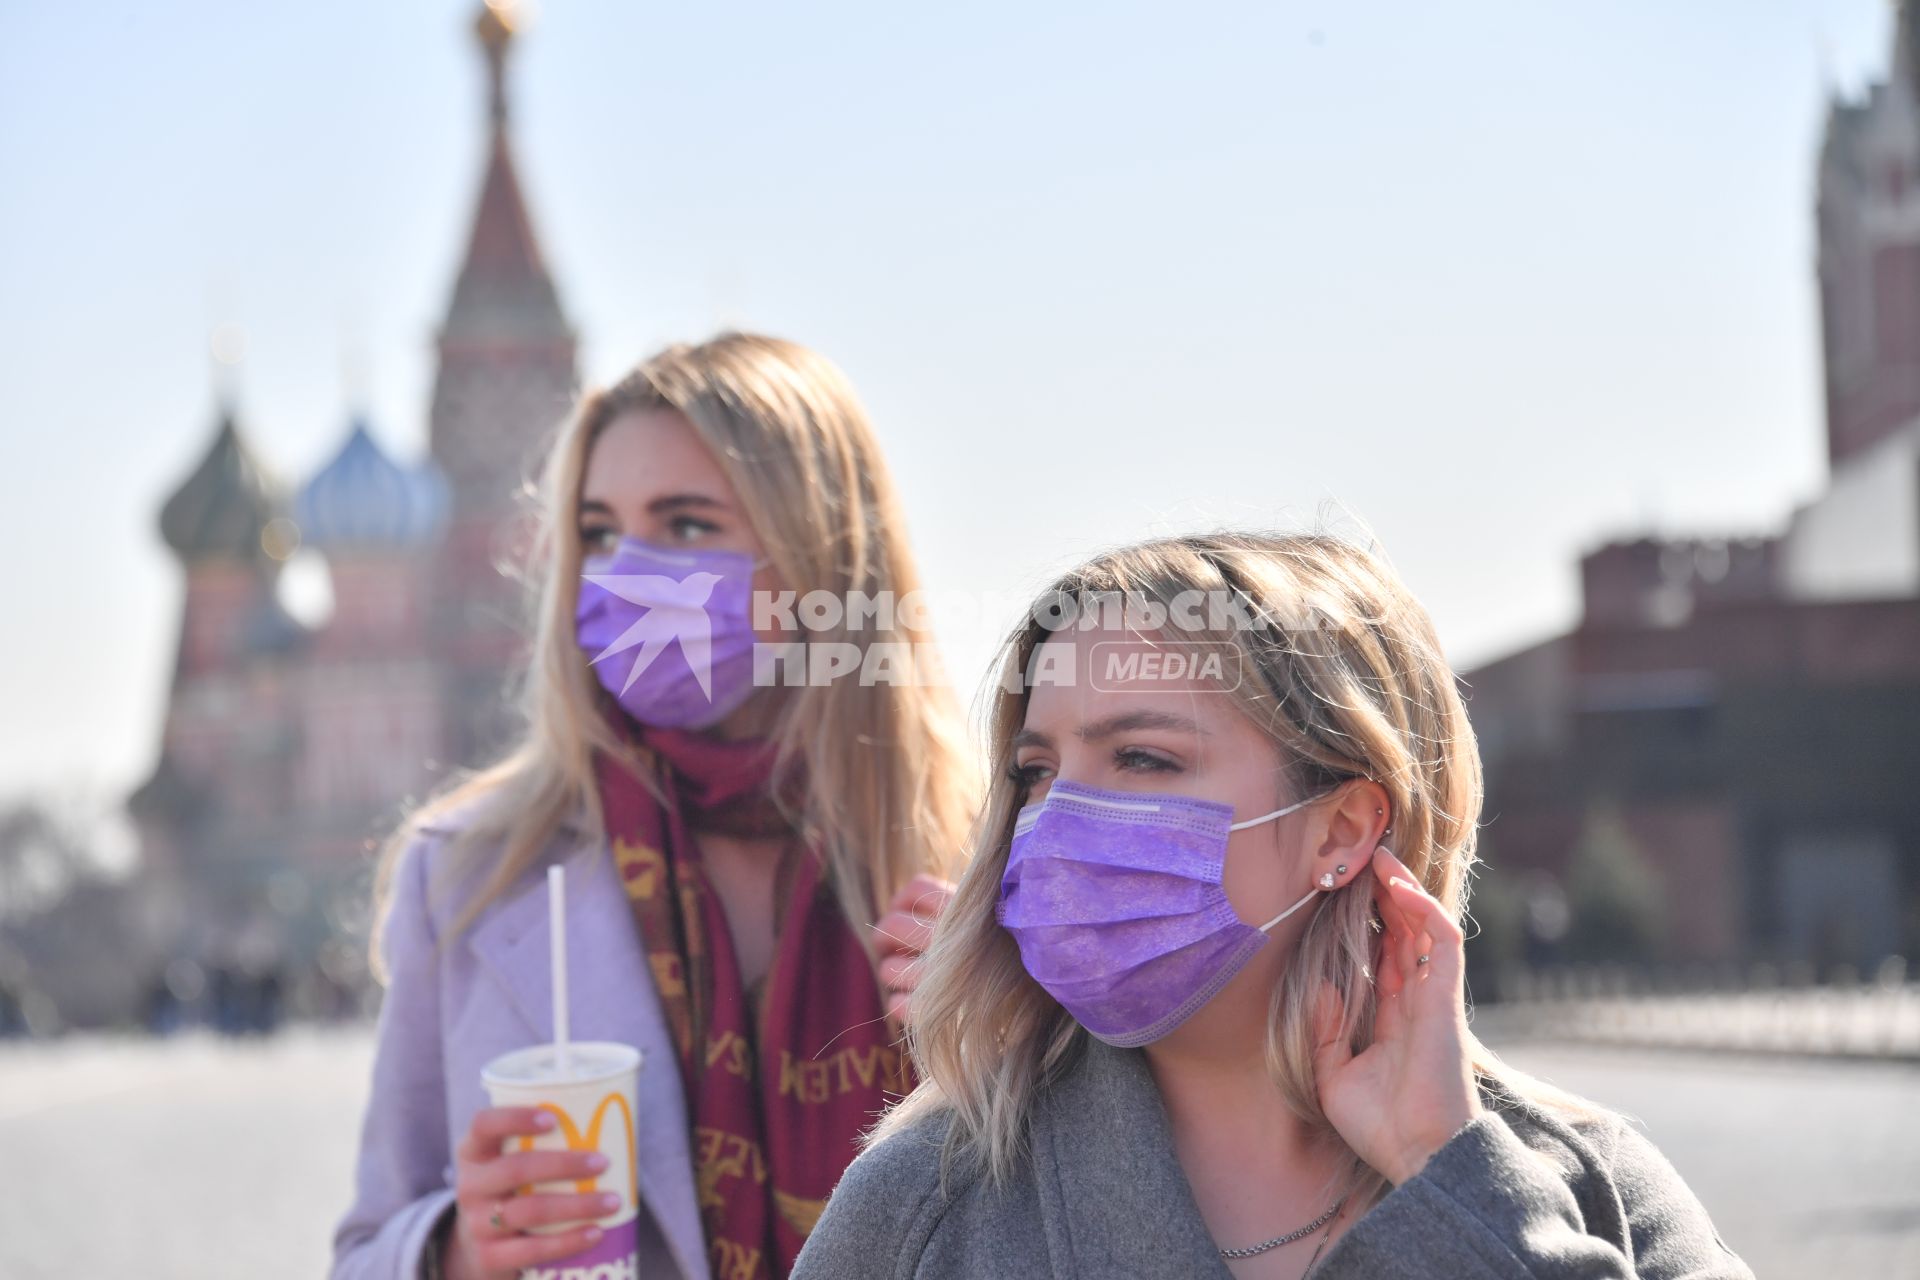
[680,501]
[659,506]
[1123,722]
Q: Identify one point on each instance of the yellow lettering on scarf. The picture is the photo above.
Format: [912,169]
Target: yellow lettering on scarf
[800,1213]
[720,1154]
[667,974]
[806,1081]
[838,1073]
[735,1051]
[641,868]
[865,1065]
[733,1261]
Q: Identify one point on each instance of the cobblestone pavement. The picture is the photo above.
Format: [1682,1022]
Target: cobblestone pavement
[210,1160]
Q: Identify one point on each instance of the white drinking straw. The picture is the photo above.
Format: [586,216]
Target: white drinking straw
[557,930]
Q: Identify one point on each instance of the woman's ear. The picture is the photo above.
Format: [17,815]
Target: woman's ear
[1357,818]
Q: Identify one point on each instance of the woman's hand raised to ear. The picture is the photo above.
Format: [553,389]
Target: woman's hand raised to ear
[904,933]
[1402,1097]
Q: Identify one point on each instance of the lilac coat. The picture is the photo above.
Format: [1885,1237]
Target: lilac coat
[447,1014]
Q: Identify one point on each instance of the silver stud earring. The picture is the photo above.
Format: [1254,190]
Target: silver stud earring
[1326,880]
[1340,870]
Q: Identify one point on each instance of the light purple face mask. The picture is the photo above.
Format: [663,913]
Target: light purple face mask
[1115,899]
[669,632]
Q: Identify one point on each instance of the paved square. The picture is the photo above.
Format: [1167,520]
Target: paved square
[217,1160]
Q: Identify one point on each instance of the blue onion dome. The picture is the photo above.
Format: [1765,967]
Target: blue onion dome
[223,510]
[365,501]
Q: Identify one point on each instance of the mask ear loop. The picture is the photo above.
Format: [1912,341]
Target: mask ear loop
[1269,817]
[1311,894]
[1253,822]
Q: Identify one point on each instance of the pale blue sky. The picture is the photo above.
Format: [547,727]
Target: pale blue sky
[1498,278]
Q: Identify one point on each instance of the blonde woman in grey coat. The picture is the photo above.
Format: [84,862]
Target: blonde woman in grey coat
[1197,1007]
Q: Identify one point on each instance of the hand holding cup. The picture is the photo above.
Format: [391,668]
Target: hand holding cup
[490,1239]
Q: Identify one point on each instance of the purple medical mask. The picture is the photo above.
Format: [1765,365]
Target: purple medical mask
[669,632]
[1115,899]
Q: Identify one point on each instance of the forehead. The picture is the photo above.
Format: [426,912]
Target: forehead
[650,450]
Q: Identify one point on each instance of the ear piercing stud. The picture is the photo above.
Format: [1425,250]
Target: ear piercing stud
[1326,880]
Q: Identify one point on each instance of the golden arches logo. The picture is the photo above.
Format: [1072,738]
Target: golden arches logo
[590,1140]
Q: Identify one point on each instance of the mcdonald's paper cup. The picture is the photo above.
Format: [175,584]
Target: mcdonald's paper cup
[594,1104]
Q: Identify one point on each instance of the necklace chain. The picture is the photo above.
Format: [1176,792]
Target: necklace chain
[1253,1250]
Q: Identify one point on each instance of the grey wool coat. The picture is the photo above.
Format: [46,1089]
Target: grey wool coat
[1518,1194]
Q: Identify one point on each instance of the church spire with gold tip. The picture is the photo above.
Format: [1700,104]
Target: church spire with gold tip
[506,376]
[504,293]
[495,26]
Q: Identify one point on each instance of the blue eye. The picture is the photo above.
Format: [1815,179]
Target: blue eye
[690,528]
[1137,760]
[1025,775]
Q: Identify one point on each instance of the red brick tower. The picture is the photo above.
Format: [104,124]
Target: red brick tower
[1869,233]
[506,379]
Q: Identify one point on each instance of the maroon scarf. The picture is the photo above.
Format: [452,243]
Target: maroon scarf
[776,1103]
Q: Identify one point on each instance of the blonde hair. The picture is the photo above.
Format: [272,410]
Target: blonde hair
[890,782]
[1342,669]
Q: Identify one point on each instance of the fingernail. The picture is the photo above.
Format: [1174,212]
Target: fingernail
[596,1162]
[609,1202]
[543,1120]
[593,1235]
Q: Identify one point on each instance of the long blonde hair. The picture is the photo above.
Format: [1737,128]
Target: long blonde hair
[1342,669]
[890,782]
